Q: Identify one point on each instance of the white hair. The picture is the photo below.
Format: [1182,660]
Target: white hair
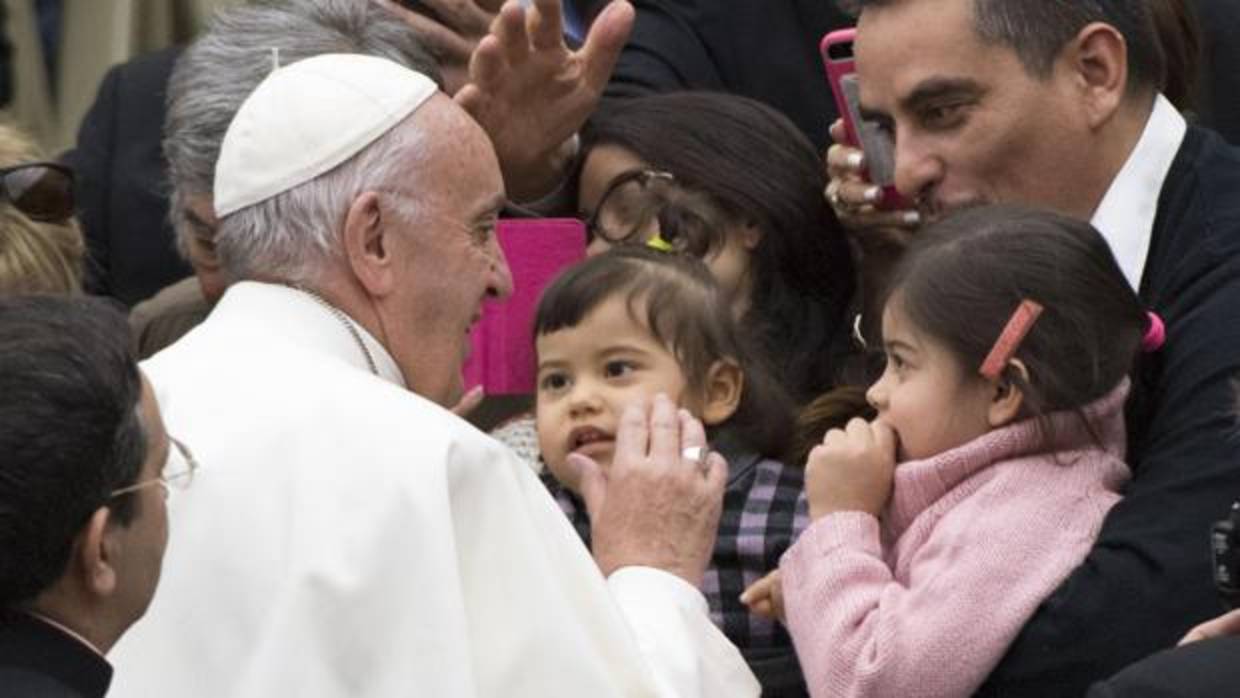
[293,235]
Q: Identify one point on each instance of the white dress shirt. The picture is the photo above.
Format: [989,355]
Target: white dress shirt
[345,537]
[1126,215]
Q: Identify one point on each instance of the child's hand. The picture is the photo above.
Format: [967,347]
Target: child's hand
[765,597]
[851,470]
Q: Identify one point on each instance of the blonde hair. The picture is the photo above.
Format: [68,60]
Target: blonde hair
[35,257]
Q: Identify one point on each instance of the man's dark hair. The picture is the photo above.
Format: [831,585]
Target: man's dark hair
[71,431]
[1037,31]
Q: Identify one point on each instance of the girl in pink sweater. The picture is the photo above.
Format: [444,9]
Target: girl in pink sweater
[940,526]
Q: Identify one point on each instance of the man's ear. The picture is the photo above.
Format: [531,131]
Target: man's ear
[1008,396]
[722,391]
[367,241]
[1098,57]
[95,553]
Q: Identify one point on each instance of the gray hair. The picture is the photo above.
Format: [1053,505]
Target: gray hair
[220,70]
[292,235]
[1037,30]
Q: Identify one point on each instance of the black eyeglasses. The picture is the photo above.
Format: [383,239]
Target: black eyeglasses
[650,207]
[41,190]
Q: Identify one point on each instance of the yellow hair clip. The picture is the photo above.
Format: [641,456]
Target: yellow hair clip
[656,242]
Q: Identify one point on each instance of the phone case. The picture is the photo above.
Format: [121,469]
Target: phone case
[836,49]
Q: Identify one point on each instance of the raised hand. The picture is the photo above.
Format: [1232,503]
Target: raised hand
[532,94]
[655,506]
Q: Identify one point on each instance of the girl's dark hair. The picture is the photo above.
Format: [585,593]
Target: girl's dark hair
[759,169]
[677,299]
[961,279]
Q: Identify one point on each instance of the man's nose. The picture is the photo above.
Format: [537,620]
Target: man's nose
[501,275]
[917,169]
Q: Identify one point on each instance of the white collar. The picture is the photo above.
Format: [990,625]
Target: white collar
[1126,215]
[303,319]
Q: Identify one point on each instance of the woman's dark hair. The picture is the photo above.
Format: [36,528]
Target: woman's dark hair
[758,169]
[70,431]
[677,299]
[962,278]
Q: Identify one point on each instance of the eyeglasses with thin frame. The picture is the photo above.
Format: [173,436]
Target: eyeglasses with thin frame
[43,191]
[639,204]
[178,471]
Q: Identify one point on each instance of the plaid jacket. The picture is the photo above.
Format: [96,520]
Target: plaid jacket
[764,510]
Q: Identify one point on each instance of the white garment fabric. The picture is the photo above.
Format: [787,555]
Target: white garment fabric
[345,537]
[1125,217]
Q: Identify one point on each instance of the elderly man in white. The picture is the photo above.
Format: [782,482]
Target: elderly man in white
[347,535]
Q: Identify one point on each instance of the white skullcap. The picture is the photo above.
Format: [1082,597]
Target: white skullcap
[308,117]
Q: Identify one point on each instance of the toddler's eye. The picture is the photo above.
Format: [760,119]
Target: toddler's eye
[896,362]
[617,369]
[552,382]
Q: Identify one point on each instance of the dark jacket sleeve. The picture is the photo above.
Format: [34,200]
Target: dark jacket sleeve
[766,51]
[122,182]
[1206,669]
[1148,578]
[1219,84]
[91,159]
[665,52]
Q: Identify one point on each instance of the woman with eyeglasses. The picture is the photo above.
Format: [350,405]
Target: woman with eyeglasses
[734,182]
[41,246]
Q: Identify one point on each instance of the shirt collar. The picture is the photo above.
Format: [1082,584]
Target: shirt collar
[1126,215]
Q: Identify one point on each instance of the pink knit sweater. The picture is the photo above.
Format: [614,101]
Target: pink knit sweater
[926,602]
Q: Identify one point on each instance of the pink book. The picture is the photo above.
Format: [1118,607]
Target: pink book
[502,354]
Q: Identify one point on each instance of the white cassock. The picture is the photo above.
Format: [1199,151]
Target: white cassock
[345,537]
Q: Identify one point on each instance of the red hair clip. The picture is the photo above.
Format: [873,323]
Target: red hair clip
[1010,338]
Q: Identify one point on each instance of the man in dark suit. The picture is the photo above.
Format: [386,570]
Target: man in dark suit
[1206,664]
[767,51]
[1057,105]
[122,183]
[84,466]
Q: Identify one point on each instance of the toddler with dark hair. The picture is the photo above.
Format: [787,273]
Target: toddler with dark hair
[632,323]
[940,527]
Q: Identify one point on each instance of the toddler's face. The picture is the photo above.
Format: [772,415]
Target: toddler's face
[924,394]
[588,374]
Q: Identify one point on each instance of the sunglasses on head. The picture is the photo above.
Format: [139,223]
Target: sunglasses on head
[43,191]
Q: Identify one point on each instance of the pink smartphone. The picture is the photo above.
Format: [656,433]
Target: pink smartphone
[837,57]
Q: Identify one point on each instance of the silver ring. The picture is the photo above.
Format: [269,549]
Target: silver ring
[697,454]
[833,193]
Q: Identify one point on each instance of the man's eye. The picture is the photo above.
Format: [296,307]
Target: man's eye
[553,382]
[942,115]
[483,232]
[617,369]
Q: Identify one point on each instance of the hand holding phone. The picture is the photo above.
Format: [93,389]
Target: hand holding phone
[837,57]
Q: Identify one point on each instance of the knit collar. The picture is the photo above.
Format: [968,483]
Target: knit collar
[920,483]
